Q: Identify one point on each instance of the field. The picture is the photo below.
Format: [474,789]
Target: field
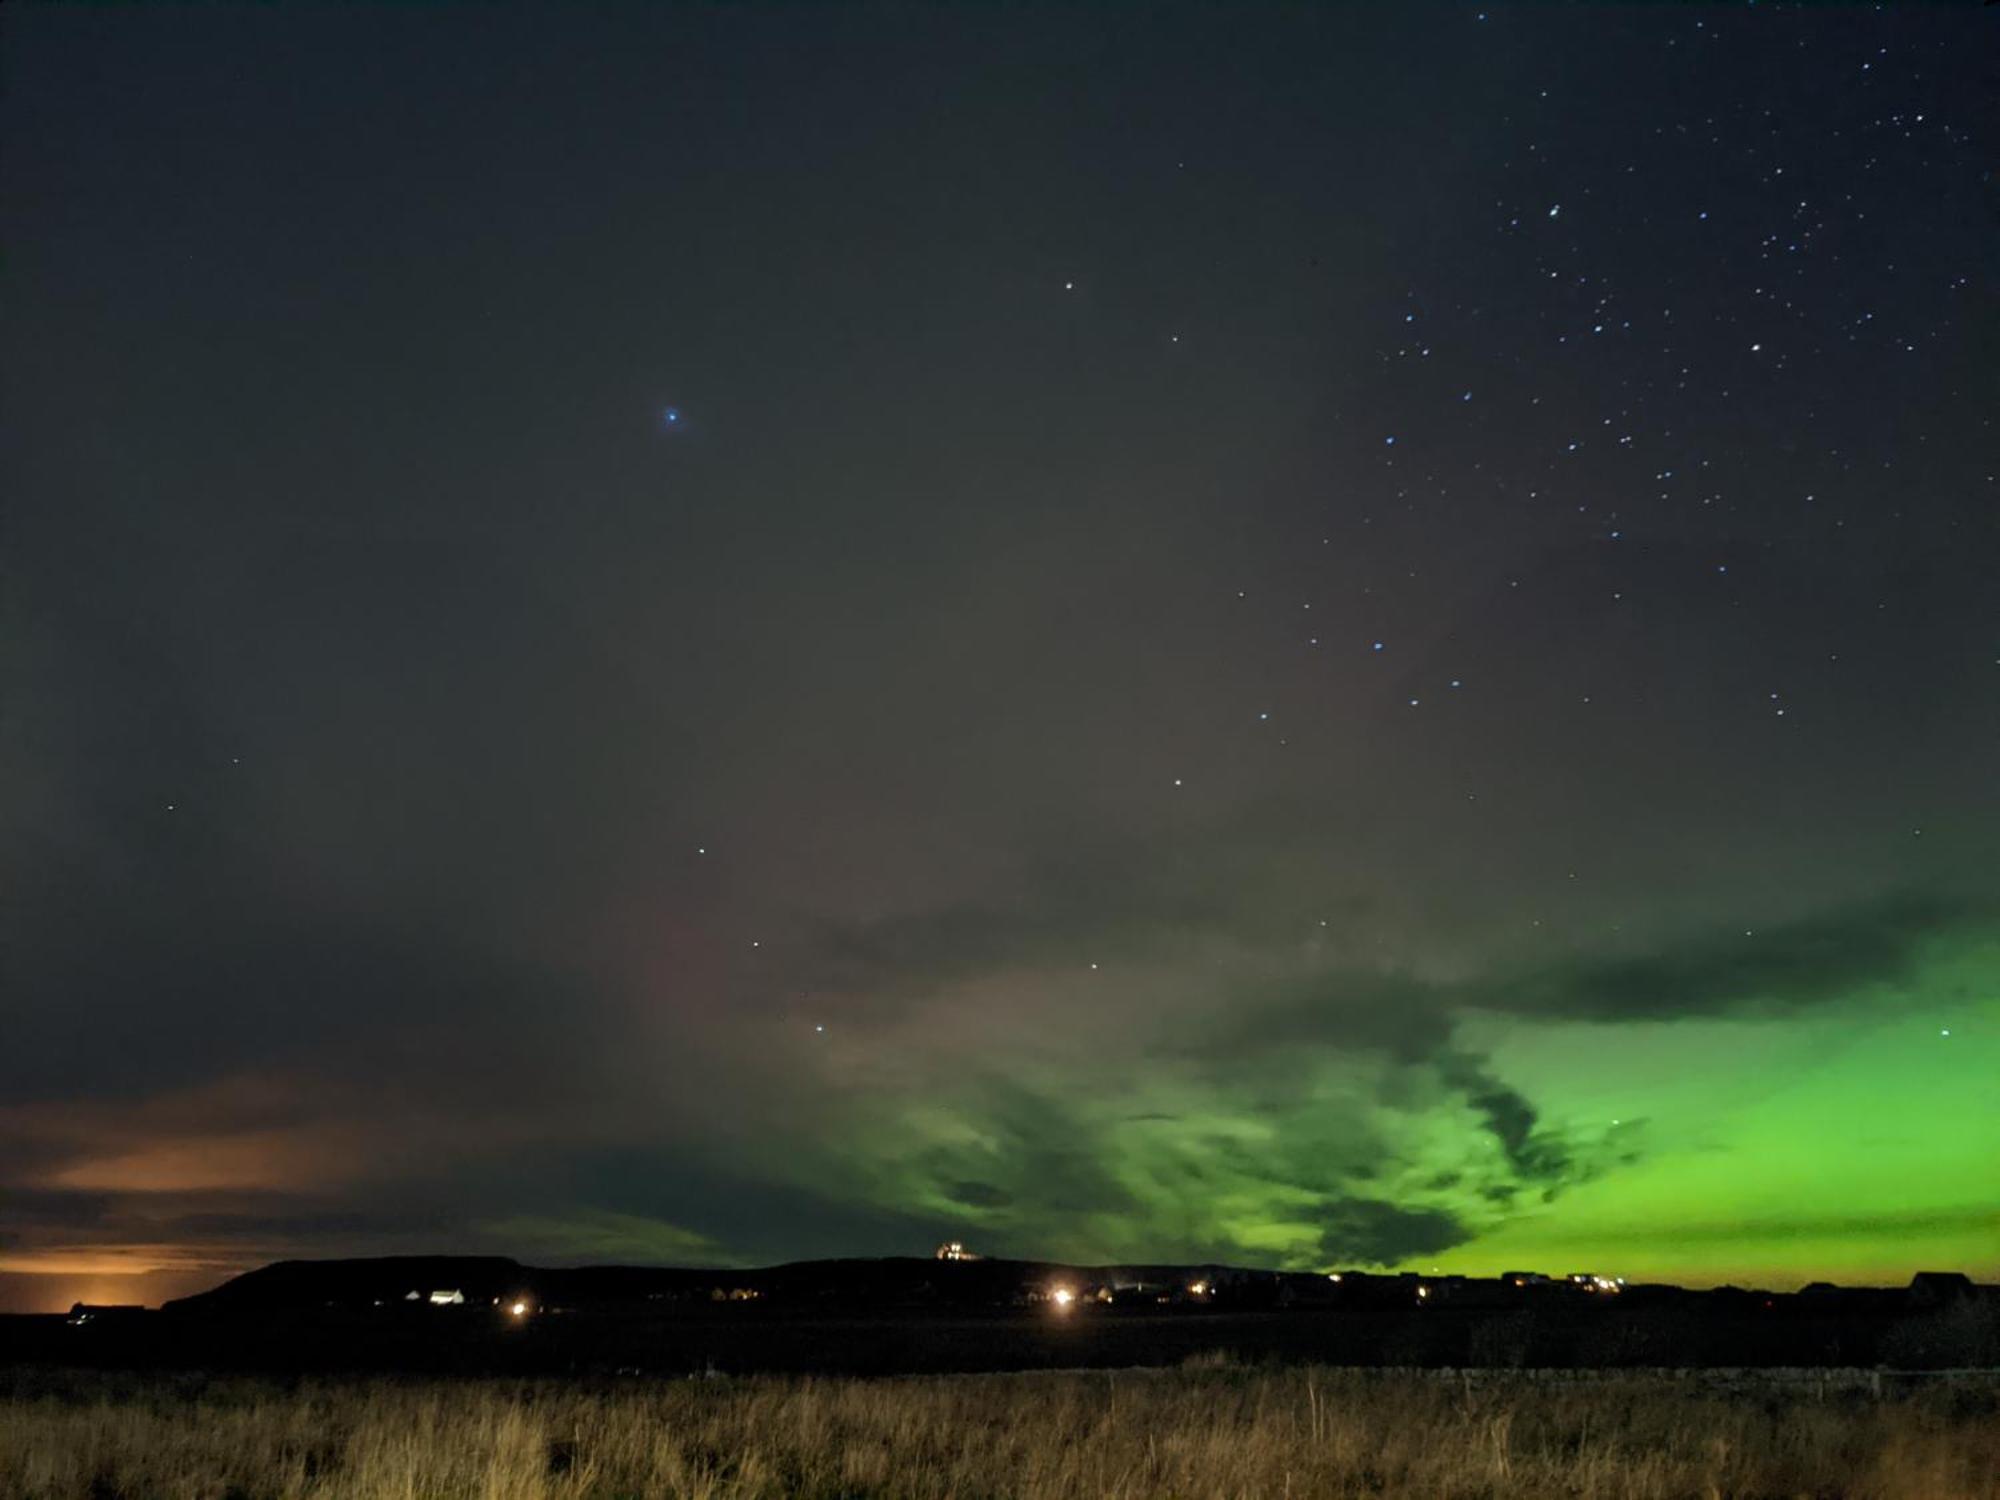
[1210,1430]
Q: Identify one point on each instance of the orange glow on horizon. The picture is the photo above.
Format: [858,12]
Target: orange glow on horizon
[56,1291]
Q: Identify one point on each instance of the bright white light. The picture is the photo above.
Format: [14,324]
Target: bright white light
[518,1309]
[1062,1296]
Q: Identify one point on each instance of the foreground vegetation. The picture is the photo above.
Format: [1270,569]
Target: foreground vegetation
[1199,1432]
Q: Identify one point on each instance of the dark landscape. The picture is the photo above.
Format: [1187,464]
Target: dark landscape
[933,1379]
[927,1316]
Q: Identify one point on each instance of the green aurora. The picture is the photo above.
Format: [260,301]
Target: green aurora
[1826,1109]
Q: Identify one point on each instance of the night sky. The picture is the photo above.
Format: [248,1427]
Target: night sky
[1304,637]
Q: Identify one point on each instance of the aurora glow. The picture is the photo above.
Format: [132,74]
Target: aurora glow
[1308,637]
[1817,1109]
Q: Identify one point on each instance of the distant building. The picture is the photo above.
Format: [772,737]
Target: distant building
[954,1250]
[82,1314]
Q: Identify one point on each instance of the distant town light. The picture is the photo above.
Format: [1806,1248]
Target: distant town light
[518,1309]
[1062,1296]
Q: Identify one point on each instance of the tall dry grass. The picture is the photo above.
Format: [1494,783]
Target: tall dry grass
[1207,1432]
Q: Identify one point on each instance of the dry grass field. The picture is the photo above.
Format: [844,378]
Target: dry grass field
[1200,1433]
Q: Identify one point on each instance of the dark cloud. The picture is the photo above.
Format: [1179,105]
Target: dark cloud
[1115,897]
[1770,970]
[1343,1010]
[1510,1117]
[63,1210]
[177,991]
[980,1194]
[755,1210]
[1369,1232]
[276,1224]
[1783,967]
[216,1223]
[1037,1150]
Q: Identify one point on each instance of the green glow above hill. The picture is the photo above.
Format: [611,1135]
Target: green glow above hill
[1849,1135]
